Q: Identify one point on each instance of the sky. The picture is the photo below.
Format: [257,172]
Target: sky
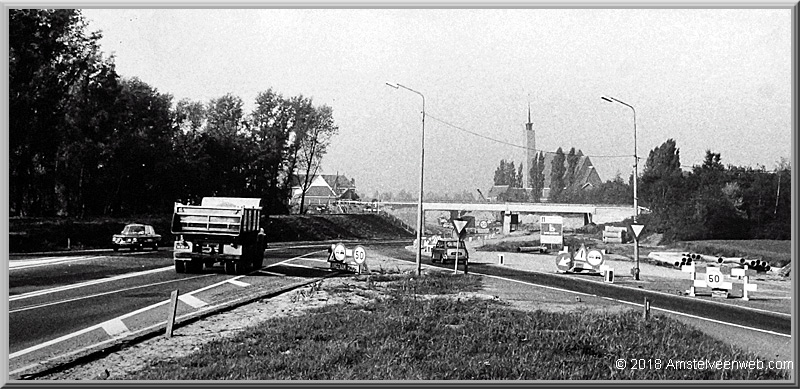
[712,79]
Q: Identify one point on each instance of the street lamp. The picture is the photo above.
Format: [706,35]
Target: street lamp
[635,178]
[421,175]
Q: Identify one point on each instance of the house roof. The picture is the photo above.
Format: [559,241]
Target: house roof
[585,171]
[320,191]
[337,181]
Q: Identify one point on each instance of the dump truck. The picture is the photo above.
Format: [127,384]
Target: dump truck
[225,230]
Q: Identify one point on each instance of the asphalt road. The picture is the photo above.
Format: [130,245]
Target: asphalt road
[57,295]
[584,284]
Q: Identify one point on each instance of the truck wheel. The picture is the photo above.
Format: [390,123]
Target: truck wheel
[240,267]
[194,267]
[180,267]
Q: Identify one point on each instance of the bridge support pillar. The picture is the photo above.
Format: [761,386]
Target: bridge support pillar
[506,223]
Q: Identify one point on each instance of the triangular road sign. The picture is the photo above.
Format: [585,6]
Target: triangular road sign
[637,229]
[459,225]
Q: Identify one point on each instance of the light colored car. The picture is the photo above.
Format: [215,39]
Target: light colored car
[136,236]
[445,250]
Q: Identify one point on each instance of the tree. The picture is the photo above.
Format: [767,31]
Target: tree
[507,174]
[271,136]
[663,189]
[316,128]
[557,182]
[536,174]
[49,57]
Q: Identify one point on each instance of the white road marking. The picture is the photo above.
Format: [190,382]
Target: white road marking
[271,273]
[105,293]
[239,283]
[127,315]
[46,261]
[26,264]
[115,327]
[87,283]
[192,301]
[640,305]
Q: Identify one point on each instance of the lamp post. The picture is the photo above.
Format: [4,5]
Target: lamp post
[421,176]
[635,178]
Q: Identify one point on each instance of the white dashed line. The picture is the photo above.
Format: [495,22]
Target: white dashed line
[115,327]
[194,302]
[239,283]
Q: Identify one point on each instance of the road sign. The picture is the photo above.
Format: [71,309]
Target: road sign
[713,277]
[564,261]
[340,252]
[552,228]
[637,229]
[484,224]
[595,258]
[359,255]
[459,227]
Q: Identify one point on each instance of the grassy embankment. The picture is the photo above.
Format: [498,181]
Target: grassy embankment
[52,234]
[412,331]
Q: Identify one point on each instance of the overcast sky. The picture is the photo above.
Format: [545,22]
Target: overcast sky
[711,79]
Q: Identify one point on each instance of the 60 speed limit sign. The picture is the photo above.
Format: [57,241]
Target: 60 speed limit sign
[359,255]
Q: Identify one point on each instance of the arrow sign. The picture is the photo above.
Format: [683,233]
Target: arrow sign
[637,229]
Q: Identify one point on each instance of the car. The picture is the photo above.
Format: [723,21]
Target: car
[136,236]
[445,250]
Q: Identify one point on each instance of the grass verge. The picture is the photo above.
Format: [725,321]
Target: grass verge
[415,330]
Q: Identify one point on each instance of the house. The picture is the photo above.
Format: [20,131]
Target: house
[324,190]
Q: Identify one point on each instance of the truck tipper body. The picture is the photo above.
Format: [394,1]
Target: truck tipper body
[224,230]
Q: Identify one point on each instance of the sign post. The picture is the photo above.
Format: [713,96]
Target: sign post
[636,229]
[459,231]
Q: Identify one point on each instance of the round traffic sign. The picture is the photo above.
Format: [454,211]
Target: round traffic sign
[595,258]
[564,262]
[713,277]
[484,224]
[339,252]
[359,255]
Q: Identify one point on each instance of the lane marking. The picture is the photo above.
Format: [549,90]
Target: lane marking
[27,264]
[130,314]
[271,273]
[640,305]
[115,327]
[105,293]
[46,261]
[192,301]
[239,283]
[87,283]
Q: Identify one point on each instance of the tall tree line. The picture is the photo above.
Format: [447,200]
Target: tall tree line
[84,141]
[714,201]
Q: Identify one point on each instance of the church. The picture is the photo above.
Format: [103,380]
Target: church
[586,175]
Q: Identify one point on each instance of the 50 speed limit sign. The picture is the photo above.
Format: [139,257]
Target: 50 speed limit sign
[359,255]
[713,277]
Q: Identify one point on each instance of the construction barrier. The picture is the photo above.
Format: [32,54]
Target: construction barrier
[714,278]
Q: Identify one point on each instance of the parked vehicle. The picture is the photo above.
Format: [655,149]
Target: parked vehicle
[136,236]
[224,230]
[445,250]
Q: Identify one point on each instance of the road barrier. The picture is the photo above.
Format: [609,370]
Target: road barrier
[714,278]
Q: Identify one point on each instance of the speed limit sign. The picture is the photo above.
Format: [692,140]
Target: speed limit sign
[713,277]
[359,255]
